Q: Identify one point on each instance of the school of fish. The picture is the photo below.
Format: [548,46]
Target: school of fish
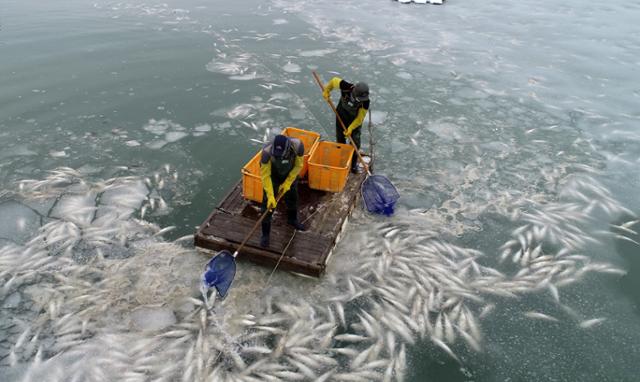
[97,294]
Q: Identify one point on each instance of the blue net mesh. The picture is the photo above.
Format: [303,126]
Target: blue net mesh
[379,195]
[219,272]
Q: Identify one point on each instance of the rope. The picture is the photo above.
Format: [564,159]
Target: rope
[281,256]
[310,216]
[371,144]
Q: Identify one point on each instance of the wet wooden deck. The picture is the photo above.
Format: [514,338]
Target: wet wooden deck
[308,252]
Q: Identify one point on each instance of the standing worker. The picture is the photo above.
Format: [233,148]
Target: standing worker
[280,164]
[352,108]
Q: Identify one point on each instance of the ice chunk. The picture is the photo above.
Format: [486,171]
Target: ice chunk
[297,114]
[58,154]
[404,75]
[445,130]
[246,77]
[78,209]
[317,52]
[290,67]
[13,301]
[156,144]
[17,221]
[123,199]
[203,128]
[174,136]
[17,151]
[161,126]
[241,111]
[378,117]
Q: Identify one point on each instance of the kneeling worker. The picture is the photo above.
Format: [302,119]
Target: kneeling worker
[280,164]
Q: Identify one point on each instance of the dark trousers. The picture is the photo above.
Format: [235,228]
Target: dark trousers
[355,134]
[290,199]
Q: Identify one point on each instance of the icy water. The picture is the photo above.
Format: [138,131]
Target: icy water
[510,130]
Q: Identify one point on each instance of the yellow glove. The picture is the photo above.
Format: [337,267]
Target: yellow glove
[284,188]
[332,84]
[348,132]
[271,202]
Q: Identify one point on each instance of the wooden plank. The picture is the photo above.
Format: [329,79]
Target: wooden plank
[234,228]
[233,202]
[266,258]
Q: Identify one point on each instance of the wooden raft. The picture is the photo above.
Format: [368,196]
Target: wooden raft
[323,213]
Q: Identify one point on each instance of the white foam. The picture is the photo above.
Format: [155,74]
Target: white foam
[152,318]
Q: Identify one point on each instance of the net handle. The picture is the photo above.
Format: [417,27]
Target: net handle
[344,129]
[255,226]
[371,144]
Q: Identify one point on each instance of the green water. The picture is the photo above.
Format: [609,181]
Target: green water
[470,101]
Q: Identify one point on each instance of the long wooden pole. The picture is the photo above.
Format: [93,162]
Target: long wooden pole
[255,226]
[344,128]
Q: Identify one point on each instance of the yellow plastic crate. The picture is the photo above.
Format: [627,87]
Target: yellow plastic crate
[309,139]
[251,181]
[329,166]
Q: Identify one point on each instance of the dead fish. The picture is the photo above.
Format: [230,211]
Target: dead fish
[630,223]
[303,368]
[340,311]
[360,358]
[351,337]
[445,347]
[623,228]
[554,292]
[586,324]
[289,375]
[540,316]
[626,238]
[470,340]
[183,238]
[325,377]
[486,310]
[165,230]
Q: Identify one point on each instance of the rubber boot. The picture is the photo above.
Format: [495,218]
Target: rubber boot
[292,220]
[266,229]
